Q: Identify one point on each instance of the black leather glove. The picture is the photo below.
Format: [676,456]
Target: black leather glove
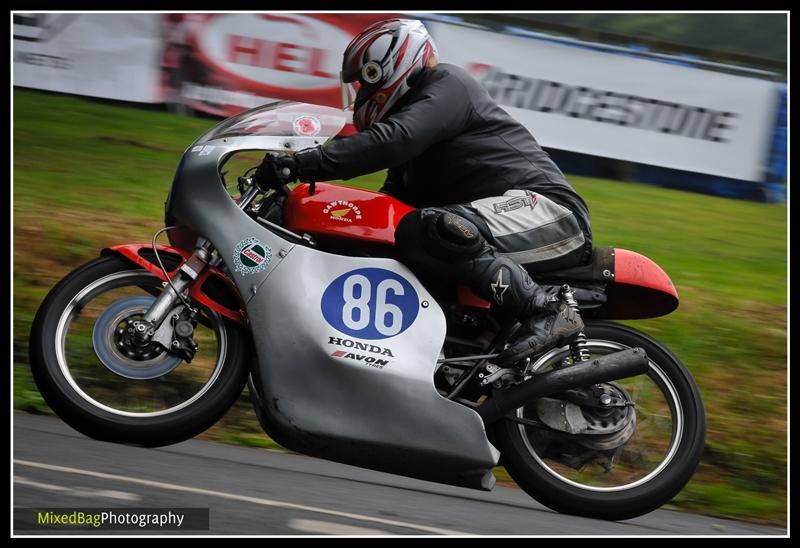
[276,169]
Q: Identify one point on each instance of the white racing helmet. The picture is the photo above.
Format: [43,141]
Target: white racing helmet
[378,63]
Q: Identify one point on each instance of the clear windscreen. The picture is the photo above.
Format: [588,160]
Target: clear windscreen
[281,119]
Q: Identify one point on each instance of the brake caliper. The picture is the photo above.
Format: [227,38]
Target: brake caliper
[183,325]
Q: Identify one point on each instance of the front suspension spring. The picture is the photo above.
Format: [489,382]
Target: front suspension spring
[578,349]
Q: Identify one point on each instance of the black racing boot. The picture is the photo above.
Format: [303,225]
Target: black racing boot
[547,321]
[557,326]
[439,241]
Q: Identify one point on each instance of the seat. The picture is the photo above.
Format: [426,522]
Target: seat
[600,269]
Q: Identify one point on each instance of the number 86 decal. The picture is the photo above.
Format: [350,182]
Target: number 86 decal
[370,303]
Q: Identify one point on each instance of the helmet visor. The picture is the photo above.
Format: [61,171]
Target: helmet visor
[349,93]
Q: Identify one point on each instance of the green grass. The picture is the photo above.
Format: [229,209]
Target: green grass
[90,174]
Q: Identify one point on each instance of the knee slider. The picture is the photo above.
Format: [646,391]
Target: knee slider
[452,232]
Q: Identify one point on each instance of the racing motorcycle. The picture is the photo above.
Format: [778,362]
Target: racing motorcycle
[348,355]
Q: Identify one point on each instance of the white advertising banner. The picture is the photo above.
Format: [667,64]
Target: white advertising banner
[570,98]
[114,56]
[621,107]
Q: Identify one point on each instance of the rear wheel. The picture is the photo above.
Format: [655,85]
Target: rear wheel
[101,384]
[616,461]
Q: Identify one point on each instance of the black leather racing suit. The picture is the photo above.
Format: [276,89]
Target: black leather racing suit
[447,143]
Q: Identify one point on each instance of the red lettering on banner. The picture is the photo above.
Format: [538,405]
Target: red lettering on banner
[237,49]
[282,56]
[283,52]
[315,63]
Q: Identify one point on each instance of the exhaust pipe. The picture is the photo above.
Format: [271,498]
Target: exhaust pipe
[619,365]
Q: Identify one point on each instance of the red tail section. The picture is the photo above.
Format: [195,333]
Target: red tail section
[641,289]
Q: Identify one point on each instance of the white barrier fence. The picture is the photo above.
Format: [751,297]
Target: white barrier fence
[100,55]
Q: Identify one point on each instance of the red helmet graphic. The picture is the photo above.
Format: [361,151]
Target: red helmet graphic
[378,63]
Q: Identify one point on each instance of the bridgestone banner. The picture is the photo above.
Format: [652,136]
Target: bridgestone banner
[114,56]
[618,106]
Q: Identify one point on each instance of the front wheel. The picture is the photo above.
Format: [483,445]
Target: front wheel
[109,389]
[614,461]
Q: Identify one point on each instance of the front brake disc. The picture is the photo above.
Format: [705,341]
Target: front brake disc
[122,358]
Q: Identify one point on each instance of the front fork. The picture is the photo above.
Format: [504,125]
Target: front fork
[149,327]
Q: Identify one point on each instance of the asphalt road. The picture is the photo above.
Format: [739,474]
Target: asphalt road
[258,492]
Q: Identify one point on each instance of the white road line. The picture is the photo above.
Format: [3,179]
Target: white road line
[232,496]
[315,527]
[78,491]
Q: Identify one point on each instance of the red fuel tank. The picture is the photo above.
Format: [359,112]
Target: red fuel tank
[335,211]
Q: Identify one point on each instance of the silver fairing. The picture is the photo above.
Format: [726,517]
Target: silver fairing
[368,401]
[334,392]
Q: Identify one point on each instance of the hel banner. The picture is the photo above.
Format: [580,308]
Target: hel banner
[618,106]
[114,56]
[224,63]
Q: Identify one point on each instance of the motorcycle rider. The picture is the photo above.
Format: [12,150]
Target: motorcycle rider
[489,198]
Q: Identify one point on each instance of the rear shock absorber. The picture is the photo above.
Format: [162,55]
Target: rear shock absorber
[578,349]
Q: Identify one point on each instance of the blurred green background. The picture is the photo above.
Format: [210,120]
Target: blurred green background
[88,174]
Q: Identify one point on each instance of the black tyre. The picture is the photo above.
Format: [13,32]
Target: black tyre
[147,397]
[633,471]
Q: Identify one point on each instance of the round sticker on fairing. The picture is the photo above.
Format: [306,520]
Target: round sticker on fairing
[306,126]
[251,256]
[370,303]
